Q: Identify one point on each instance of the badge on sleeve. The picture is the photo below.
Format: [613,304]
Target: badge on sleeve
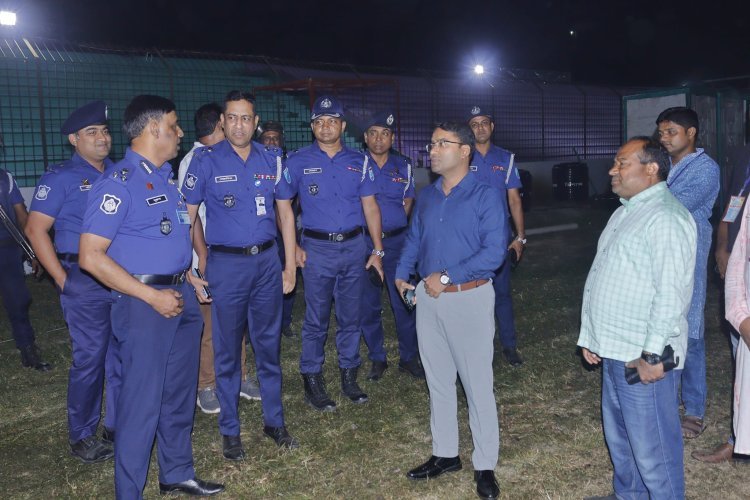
[372,175]
[42,192]
[229,200]
[287,176]
[165,226]
[260,205]
[190,181]
[109,204]
[734,209]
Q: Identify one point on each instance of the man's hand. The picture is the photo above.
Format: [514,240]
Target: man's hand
[432,285]
[198,285]
[722,259]
[402,286]
[288,280]
[300,256]
[590,357]
[167,302]
[518,247]
[648,373]
[376,261]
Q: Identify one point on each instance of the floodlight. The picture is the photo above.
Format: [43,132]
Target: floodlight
[7,18]
[479,69]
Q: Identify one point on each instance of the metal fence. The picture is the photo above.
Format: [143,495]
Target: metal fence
[42,81]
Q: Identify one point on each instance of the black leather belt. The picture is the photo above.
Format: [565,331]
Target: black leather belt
[335,237]
[251,250]
[388,234]
[68,257]
[161,279]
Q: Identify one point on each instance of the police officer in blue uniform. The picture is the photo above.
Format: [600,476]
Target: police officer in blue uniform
[395,196]
[135,239]
[337,195]
[60,201]
[494,165]
[15,294]
[238,180]
[272,136]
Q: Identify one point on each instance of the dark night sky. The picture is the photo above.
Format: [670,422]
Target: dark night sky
[616,42]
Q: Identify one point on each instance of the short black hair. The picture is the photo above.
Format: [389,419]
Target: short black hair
[682,116]
[654,152]
[141,110]
[462,130]
[238,95]
[272,126]
[206,118]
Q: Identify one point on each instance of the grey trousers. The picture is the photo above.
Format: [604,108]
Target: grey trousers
[455,334]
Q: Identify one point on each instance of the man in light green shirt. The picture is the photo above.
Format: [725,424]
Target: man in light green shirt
[635,303]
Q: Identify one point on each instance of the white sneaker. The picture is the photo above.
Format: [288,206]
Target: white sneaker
[207,400]
[249,389]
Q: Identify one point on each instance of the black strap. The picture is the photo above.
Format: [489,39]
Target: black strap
[161,279]
[389,234]
[251,250]
[335,237]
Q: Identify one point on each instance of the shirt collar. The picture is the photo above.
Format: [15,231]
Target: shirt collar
[145,165]
[645,195]
[466,183]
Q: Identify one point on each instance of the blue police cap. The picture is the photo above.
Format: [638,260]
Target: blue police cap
[327,105]
[478,110]
[93,113]
[386,119]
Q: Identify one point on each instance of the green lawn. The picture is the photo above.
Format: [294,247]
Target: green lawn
[551,440]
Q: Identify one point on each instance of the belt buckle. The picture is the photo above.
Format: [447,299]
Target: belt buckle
[254,250]
[339,237]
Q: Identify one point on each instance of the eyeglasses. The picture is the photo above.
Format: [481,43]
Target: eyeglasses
[441,144]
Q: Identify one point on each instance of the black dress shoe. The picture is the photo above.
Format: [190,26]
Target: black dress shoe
[486,484]
[31,358]
[315,392]
[435,467]
[90,450]
[412,367]
[233,448]
[194,487]
[281,437]
[108,436]
[350,388]
[512,356]
[376,370]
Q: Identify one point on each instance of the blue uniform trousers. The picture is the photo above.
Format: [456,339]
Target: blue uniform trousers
[333,271]
[16,296]
[159,384]
[372,307]
[286,311]
[504,306]
[86,306]
[247,291]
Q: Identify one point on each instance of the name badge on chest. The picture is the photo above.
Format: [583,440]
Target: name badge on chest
[734,209]
[260,205]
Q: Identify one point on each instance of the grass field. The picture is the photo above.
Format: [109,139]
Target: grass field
[551,439]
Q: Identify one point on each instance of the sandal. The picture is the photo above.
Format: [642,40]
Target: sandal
[692,427]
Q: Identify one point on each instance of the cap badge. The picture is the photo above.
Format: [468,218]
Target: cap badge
[475,110]
[325,103]
[389,120]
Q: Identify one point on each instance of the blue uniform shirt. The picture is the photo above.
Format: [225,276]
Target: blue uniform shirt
[239,195]
[138,207]
[9,196]
[394,184]
[330,189]
[62,193]
[463,232]
[497,169]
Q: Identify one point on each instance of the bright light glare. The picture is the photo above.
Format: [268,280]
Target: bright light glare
[479,69]
[7,18]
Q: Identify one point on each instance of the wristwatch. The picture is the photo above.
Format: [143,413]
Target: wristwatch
[522,240]
[444,278]
[379,253]
[652,359]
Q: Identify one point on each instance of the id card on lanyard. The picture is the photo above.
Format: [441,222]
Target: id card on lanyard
[736,201]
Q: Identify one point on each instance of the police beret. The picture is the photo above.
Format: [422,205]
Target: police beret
[327,105]
[385,119]
[479,111]
[93,113]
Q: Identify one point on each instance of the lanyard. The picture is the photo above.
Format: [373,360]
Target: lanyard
[747,180]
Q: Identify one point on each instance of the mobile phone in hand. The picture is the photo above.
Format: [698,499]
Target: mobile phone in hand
[408,297]
[206,291]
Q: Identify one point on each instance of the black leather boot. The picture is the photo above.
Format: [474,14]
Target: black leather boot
[349,386]
[30,358]
[315,392]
